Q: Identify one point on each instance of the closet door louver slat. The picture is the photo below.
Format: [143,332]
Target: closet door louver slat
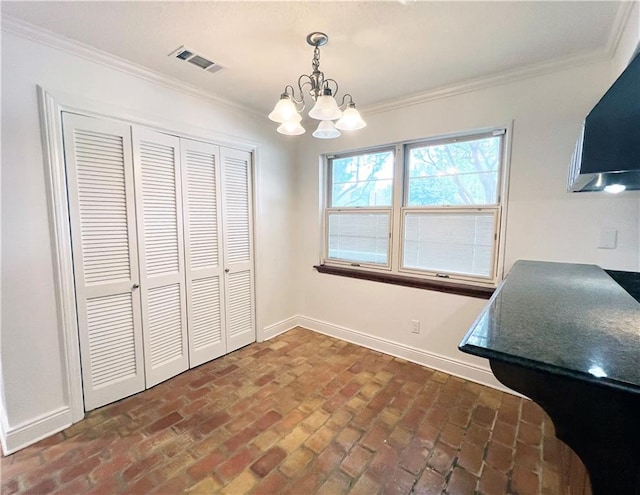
[203,250]
[103,230]
[238,252]
[159,217]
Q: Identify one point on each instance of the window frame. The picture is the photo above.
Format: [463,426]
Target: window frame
[399,209]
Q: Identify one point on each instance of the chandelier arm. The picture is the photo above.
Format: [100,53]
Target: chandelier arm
[303,80]
[326,84]
[344,102]
[299,103]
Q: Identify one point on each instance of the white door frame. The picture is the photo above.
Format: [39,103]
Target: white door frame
[51,107]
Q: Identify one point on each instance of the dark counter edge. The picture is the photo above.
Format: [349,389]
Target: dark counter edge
[553,370]
[406,281]
[467,348]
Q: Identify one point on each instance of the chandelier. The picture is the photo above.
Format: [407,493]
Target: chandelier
[323,92]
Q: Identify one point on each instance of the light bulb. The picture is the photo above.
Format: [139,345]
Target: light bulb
[291,128]
[326,107]
[285,110]
[326,130]
[614,188]
[351,119]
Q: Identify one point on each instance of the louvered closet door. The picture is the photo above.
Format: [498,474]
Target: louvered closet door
[203,251]
[103,232]
[160,235]
[238,252]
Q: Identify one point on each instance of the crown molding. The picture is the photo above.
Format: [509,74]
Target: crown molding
[623,14]
[48,38]
[488,81]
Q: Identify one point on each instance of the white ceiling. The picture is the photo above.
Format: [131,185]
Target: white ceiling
[377,51]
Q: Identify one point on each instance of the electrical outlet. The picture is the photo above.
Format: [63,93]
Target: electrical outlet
[415,326]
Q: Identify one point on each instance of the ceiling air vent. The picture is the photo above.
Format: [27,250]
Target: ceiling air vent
[189,55]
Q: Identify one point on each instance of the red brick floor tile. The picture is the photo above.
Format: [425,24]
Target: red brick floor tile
[10,487]
[337,484]
[492,482]
[509,412]
[414,457]
[374,438]
[499,456]
[399,482]
[442,458]
[235,464]
[470,457]
[477,435]
[243,437]
[527,456]
[365,486]
[503,433]
[532,413]
[140,467]
[320,439]
[452,435]
[430,483]
[206,465]
[164,423]
[437,416]
[428,434]
[296,462]
[524,481]
[529,433]
[356,461]
[300,414]
[273,483]
[459,417]
[78,485]
[271,458]
[347,437]
[483,416]
[461,482]
[400,437]
[307,483]
[112,485]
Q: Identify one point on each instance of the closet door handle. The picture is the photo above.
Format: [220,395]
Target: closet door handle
[226,270]
[135,286]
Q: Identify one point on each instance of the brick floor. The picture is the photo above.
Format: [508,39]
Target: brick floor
[302,413]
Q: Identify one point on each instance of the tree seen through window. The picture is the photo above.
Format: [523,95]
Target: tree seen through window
[362,180]
[458,173]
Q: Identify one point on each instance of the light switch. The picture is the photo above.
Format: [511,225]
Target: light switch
[608,239]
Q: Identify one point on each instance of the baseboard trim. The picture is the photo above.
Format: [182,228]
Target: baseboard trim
[30,432]
[271,331]
[471,372]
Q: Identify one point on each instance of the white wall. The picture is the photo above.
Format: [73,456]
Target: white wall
[33,371]
[544,221]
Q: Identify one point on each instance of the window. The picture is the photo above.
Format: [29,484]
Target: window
[359,215]
[425,209]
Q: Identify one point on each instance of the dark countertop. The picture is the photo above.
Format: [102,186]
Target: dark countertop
[567,319]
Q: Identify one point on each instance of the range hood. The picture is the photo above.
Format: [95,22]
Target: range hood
[607,156]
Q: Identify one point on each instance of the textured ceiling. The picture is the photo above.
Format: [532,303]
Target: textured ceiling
[377,51]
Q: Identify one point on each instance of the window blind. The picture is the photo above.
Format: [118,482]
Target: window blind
[448,242]
[359,236]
